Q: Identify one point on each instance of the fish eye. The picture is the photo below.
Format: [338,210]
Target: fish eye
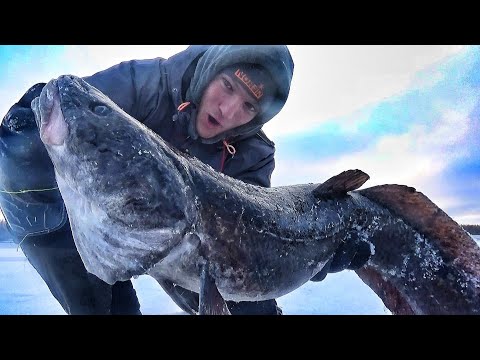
[100,109]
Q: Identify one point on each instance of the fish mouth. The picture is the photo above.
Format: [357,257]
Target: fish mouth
[49,116]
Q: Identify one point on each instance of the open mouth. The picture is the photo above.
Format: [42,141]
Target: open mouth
[213,121]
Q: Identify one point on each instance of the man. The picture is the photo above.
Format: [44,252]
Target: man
[208,101]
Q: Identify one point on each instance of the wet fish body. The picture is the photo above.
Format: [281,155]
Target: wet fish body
[138,206]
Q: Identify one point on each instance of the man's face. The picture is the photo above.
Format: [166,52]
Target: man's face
[225,105]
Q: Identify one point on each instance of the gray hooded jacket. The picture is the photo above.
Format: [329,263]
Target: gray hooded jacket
[151,91]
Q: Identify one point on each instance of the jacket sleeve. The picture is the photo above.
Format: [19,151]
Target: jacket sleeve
[133,85]
[29,197]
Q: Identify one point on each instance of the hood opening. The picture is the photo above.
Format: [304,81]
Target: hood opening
[275,59]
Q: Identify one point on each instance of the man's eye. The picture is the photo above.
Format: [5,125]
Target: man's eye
[251,107]
[227,84]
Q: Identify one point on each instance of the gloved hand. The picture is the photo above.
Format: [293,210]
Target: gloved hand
[352,254]
[29,198]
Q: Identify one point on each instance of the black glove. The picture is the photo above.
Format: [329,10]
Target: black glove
[29,198]
[351,254]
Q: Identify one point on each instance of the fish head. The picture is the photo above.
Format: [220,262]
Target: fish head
[106,157]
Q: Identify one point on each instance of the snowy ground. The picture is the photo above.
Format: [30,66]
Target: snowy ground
[22,291]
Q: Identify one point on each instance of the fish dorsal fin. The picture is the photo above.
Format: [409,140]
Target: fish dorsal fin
[341,184]
[427,218]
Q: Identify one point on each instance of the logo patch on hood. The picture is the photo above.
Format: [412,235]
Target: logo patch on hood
[255,89]
[267,65]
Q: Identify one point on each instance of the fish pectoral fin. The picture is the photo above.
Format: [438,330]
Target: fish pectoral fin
[211,301]
[341,184]
[185,299]
[322,274]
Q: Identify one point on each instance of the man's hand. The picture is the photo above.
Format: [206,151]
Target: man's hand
[350,255]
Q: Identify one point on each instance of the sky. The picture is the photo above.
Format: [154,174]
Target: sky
[404,114]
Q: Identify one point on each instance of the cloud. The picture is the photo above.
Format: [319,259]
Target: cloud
[424,150]
[422,137]
[468,217]
[334,81]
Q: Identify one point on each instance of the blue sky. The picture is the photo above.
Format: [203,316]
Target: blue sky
[427,135]
[403,114]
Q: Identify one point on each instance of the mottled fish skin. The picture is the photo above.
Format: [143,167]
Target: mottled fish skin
[138,206]
[437,271]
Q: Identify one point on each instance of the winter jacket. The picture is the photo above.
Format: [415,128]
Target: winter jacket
[151,91]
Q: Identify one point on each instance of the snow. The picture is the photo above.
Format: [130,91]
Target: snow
[23,292]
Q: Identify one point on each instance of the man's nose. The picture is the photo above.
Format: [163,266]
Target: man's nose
[229,108]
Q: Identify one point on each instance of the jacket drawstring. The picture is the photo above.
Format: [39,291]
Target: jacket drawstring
[231,150]
[183,105]
[180,108]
